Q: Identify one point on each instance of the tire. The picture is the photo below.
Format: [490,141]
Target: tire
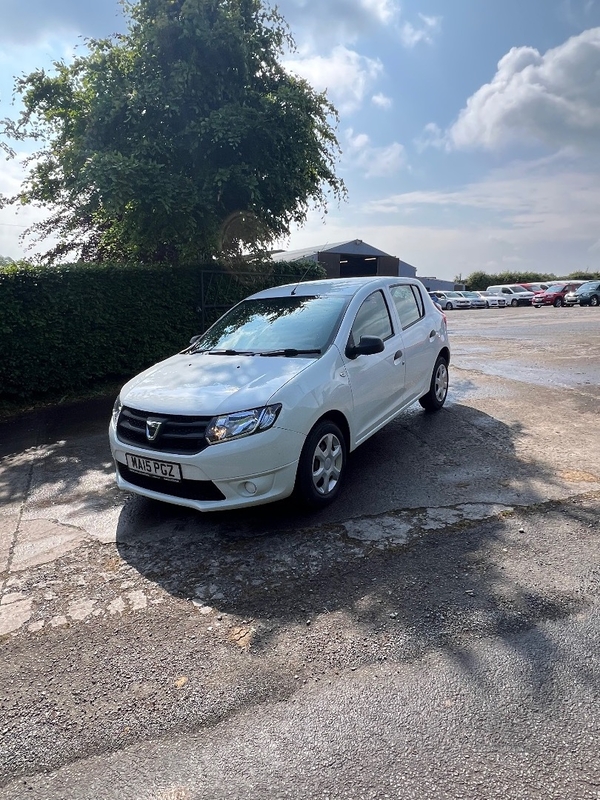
[558,302]
[514,303]
[448,306]
[487,305]
[438,388]
[594,300]
[322,466]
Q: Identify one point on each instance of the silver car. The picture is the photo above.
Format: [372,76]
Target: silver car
[475,299]
[450,300]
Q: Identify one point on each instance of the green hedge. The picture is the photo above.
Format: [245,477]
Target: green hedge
[69,327]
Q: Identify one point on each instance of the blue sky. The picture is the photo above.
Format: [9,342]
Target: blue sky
[470,130]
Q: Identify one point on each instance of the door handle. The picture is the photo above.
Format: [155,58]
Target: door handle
[432,334]
[397,355]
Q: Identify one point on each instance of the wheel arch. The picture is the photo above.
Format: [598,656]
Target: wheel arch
[339,419]
[445,353]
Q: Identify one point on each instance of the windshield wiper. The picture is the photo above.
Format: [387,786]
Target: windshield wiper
[227,352]
[290,351]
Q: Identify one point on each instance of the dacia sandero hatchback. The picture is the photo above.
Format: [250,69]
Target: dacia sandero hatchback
[270,400]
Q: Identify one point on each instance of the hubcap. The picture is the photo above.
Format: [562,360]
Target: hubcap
[328,460]
[441,383]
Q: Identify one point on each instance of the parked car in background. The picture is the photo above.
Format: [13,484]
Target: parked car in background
[270,400]
[536,287]
[513,293]
[588,294]
[475,299]
[436,300]
[555,295]
[451,300]
[493,300]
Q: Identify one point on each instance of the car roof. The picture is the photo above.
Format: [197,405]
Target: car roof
[341,286]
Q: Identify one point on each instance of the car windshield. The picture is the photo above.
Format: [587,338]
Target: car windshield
[289,323]
[453,294]
[470,294]
[557,287]
[587,286]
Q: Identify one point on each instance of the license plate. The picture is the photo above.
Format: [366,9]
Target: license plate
[167,470]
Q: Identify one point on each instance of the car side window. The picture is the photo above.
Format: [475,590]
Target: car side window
[409,304]
[372,319]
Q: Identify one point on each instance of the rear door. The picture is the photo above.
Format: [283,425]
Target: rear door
[420,339]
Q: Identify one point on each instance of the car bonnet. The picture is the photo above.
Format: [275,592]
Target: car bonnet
[206,385]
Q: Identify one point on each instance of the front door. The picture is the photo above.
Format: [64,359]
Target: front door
[376,381]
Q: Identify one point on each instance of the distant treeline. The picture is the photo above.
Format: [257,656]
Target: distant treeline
[479,281]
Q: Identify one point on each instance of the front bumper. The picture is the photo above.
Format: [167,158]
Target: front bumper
[250,471]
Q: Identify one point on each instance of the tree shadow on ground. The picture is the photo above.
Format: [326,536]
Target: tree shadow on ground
[58,454]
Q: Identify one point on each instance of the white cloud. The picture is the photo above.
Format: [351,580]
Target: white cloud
[373,162]
[345,75]
[552,99]
[541,217]
[319,22]
[546,202]
[411,35]
[432,136]
[15,219]
[381,100]
[43,18]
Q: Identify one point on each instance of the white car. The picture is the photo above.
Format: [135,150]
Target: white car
[493,300]
[451,300]
[514,294]
[270,400]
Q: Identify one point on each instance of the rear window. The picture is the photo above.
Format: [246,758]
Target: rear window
[409,304]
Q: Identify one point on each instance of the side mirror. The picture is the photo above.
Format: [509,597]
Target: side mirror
[195,338]
[367,346]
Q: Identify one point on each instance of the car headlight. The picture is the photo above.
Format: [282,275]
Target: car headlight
[241,423]
[116,410]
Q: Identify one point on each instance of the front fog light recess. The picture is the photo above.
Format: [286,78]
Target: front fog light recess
[241,423]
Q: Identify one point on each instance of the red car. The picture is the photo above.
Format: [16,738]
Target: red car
[554,295]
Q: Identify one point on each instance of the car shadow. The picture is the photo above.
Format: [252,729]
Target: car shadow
[412,557]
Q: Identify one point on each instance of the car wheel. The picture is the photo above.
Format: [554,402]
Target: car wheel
[438,388]
[558,302]
[448,306]
[322,465]
[514,303]
[594,300]
[487,305]
[536,305]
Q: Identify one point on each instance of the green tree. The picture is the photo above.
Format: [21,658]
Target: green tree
[177,140]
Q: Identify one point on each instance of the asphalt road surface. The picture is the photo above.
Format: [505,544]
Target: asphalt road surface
[434,634]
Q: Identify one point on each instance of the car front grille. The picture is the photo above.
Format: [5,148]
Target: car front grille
[186,489]
[177,434]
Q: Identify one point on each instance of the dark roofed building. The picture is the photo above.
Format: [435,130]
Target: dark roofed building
[350,259]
